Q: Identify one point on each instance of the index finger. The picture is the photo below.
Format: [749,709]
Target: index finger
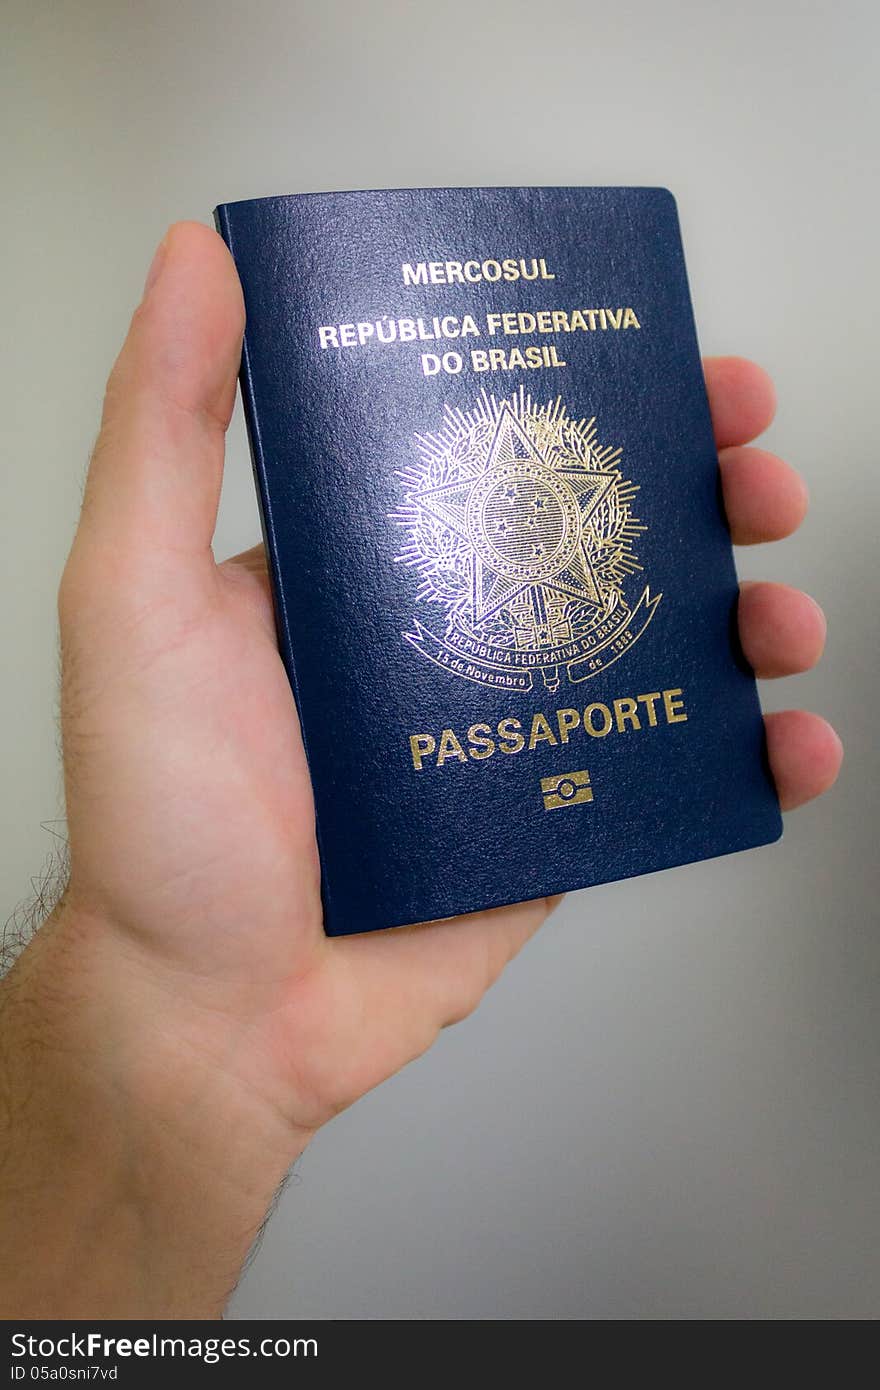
[742,399]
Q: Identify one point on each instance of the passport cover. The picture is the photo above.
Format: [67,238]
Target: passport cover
[504,585]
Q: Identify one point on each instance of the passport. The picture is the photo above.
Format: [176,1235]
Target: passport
[503,582]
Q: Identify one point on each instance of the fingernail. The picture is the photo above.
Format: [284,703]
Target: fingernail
[155,266]
[823,620]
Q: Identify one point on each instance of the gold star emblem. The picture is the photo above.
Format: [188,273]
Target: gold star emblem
[525,521]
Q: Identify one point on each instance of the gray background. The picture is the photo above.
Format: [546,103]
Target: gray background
[669,1107]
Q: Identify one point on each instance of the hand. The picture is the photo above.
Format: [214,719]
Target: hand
[190,1007]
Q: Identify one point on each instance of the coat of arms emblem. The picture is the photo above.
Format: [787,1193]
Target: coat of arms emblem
[521,528]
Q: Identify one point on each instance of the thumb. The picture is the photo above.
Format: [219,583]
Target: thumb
[154,479]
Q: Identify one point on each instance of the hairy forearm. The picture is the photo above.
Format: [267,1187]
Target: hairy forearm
[135,1172]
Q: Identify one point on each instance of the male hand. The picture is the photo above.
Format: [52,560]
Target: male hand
[181,1026]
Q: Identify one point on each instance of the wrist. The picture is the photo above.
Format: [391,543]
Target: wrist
[138,1166]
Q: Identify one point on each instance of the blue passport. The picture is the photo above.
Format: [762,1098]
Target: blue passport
[503,582]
